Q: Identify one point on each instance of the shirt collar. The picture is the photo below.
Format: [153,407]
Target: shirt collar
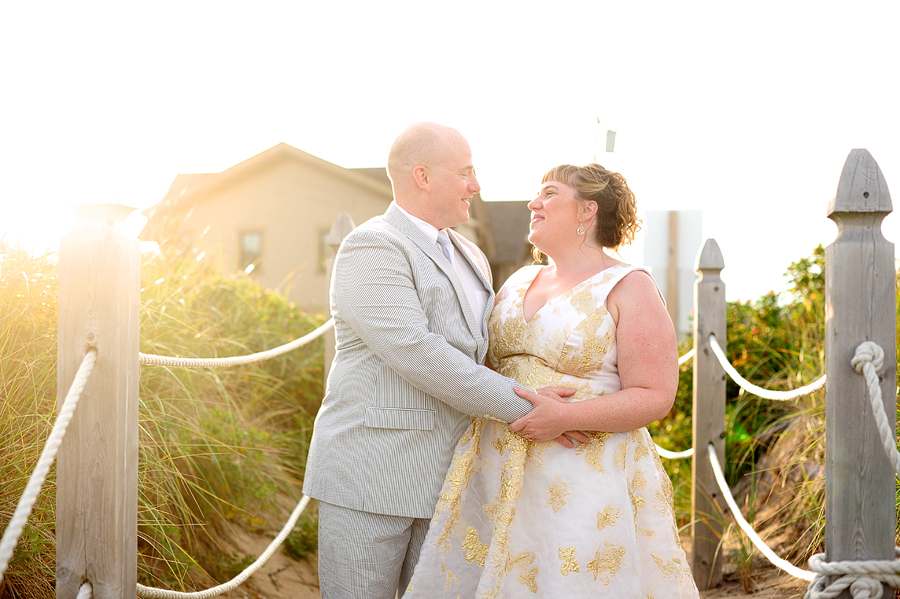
[428,229]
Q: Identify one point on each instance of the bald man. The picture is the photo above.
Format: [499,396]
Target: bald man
[411,328]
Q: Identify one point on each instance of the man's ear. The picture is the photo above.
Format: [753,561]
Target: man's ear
[422,177]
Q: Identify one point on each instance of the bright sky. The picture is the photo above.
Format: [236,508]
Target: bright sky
[744,110]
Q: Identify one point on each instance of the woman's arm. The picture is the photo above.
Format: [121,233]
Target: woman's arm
[648,369]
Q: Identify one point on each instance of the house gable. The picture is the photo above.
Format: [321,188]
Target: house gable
[282,200]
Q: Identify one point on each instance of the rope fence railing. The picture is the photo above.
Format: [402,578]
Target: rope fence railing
[869,361]
[858,307]
[745,526]
[755,390]
[85,591]
[26,502]
[153,593]
[864,578]
[155,360]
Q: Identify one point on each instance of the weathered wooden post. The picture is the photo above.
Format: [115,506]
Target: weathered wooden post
[341,227]
[707,517]
[860,305]
[96,511]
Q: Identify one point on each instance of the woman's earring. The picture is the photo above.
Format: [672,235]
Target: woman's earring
[580,229]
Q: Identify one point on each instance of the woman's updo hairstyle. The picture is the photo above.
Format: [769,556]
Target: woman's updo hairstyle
[617,222]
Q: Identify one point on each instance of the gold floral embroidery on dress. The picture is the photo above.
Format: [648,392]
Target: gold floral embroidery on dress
[608,517]
[467,436]
[512,475]
[594,449]
[475,550]
[665,494]
[641,449]
[528,577]
[503,565]
[558,493]
[490,510]
[621,450]
[607,562]
[668,568]
[507,335]
[451,579]
[647,532]
[638,482]
[609,276]
[461,471]
[569,561]
[587,355]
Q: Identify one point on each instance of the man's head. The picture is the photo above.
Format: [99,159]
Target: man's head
[432,174]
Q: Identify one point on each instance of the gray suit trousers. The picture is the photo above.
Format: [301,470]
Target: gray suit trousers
[364,555]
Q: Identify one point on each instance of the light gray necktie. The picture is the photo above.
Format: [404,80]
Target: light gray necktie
[444,241]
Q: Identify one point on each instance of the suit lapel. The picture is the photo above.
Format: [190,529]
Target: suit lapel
[399,221]
[485,283]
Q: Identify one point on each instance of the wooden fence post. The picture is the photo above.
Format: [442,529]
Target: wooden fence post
[341,227]
[708,417]
[860,305]
[96,495]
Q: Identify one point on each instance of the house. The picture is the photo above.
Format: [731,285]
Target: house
[270,216]
[509,223]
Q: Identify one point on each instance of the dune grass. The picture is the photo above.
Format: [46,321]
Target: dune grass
[774,450]
[218,448]
[226,448]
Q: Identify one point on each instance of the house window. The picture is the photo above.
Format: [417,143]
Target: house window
[251,251]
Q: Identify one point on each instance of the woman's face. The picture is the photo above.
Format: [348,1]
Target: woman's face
[554,217]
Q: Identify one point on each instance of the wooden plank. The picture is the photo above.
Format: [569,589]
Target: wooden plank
[708,417]
[99,289]
[860,305]
[672,267]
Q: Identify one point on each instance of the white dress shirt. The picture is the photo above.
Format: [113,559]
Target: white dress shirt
[475,291]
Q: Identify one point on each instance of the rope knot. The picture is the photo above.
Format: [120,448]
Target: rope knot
[868,351]
[864,579]
[866,588]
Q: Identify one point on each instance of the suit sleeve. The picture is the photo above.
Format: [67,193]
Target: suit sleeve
[374,292]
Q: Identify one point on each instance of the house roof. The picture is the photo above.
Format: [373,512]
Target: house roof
[378,173]
[187,186]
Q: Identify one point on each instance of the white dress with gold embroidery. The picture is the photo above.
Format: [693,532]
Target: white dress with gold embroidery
[524,519]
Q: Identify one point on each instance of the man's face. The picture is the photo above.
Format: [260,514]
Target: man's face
[454,184]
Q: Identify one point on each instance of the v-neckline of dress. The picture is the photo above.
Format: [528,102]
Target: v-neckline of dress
[565,293]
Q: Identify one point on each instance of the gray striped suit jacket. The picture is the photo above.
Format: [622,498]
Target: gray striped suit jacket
[406,372]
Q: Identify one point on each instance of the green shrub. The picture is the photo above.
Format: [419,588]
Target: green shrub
[776,342]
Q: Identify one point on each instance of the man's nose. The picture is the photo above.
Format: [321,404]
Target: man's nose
[474,185]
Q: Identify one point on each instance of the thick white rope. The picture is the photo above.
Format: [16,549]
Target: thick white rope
[36,481]
[674,455]
[750,387]
[869,361]
[677,455]
[745,526]
[151,593]
[85,591]
[863,578]
[155,360]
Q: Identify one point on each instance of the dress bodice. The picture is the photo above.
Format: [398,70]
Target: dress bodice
[570,341]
